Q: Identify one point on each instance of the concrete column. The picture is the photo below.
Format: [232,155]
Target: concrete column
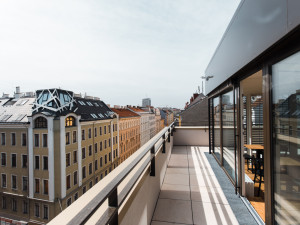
[30,158]
[63,156]
[79,151]
[51,158]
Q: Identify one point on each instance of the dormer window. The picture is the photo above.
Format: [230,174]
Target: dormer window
[40,122]
[70,121]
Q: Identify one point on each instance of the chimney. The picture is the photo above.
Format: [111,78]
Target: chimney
[191,100]
[18,94]
[195,95]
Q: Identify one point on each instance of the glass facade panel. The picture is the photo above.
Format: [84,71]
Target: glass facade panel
[217,127]
[228,133]
[286,139]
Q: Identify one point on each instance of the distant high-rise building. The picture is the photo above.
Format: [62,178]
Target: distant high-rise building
[146,102]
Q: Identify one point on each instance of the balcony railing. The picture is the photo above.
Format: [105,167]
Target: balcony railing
[106,201]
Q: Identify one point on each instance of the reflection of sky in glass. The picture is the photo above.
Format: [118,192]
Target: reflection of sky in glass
[286,76]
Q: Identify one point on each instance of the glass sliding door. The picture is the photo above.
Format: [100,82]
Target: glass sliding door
[286,139]
[228,133]
[217,127]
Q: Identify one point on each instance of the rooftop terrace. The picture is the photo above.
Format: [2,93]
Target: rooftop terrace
[167,181]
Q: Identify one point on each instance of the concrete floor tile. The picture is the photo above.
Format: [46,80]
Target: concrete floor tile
[172,191]
[178,164]
[206,181]
[177,171]
[212,214]
[181,179]
[208,194]
[176,211]
[165,223]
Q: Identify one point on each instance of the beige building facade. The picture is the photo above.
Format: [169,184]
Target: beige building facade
[58,151]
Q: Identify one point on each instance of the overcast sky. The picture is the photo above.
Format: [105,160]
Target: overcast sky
[118,50]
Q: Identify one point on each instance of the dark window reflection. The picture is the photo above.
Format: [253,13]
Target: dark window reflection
[228,132]
[217,126]
[286,139]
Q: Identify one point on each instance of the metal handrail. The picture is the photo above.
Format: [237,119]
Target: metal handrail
[109,192]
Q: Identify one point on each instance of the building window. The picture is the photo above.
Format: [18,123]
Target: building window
[3,139]
[74,136]
[91,184]
[13,182]
[45,140]
[105,172]
[90,168]
[70,121]
[4,205]
[100,162]
[83,153]
[83,172]
[109,156]
[3,159]
[45,162]
[14,205]
[109,129]
[13,139]
[24,139]
[24,161]
[45,187]
[46,212]
[100,130]
[36,140]
[96,165]
[83,189]
[75,157]
[68,159]
[40,122]
[37,162]
[90,133]
[96,147]
[75,177]
[109,142]
[104,129]
[96,180]
[76,196]
[101,146]
[105,144]
[13,160]
[68,182]
[95,133]
[90,150]
[37,210]
[24,183]
[3,180]
[67,138]
[105,159]
[101,176]
[25,207]
[37,186]
[83,135]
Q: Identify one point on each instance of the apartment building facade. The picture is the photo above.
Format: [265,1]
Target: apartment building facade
[129,132]
[53,155]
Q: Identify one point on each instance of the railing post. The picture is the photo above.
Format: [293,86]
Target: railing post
[164,143]
[113,202]
[152,166]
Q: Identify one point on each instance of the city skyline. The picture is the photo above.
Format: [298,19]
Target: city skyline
[119,52]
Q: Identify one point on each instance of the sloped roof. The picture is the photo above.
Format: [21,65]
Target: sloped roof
[16,110]
[123,113]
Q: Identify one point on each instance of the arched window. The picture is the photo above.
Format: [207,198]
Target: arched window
[40,122]
[70,121]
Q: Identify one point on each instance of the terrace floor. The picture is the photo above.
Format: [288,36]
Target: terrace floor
[196,190]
